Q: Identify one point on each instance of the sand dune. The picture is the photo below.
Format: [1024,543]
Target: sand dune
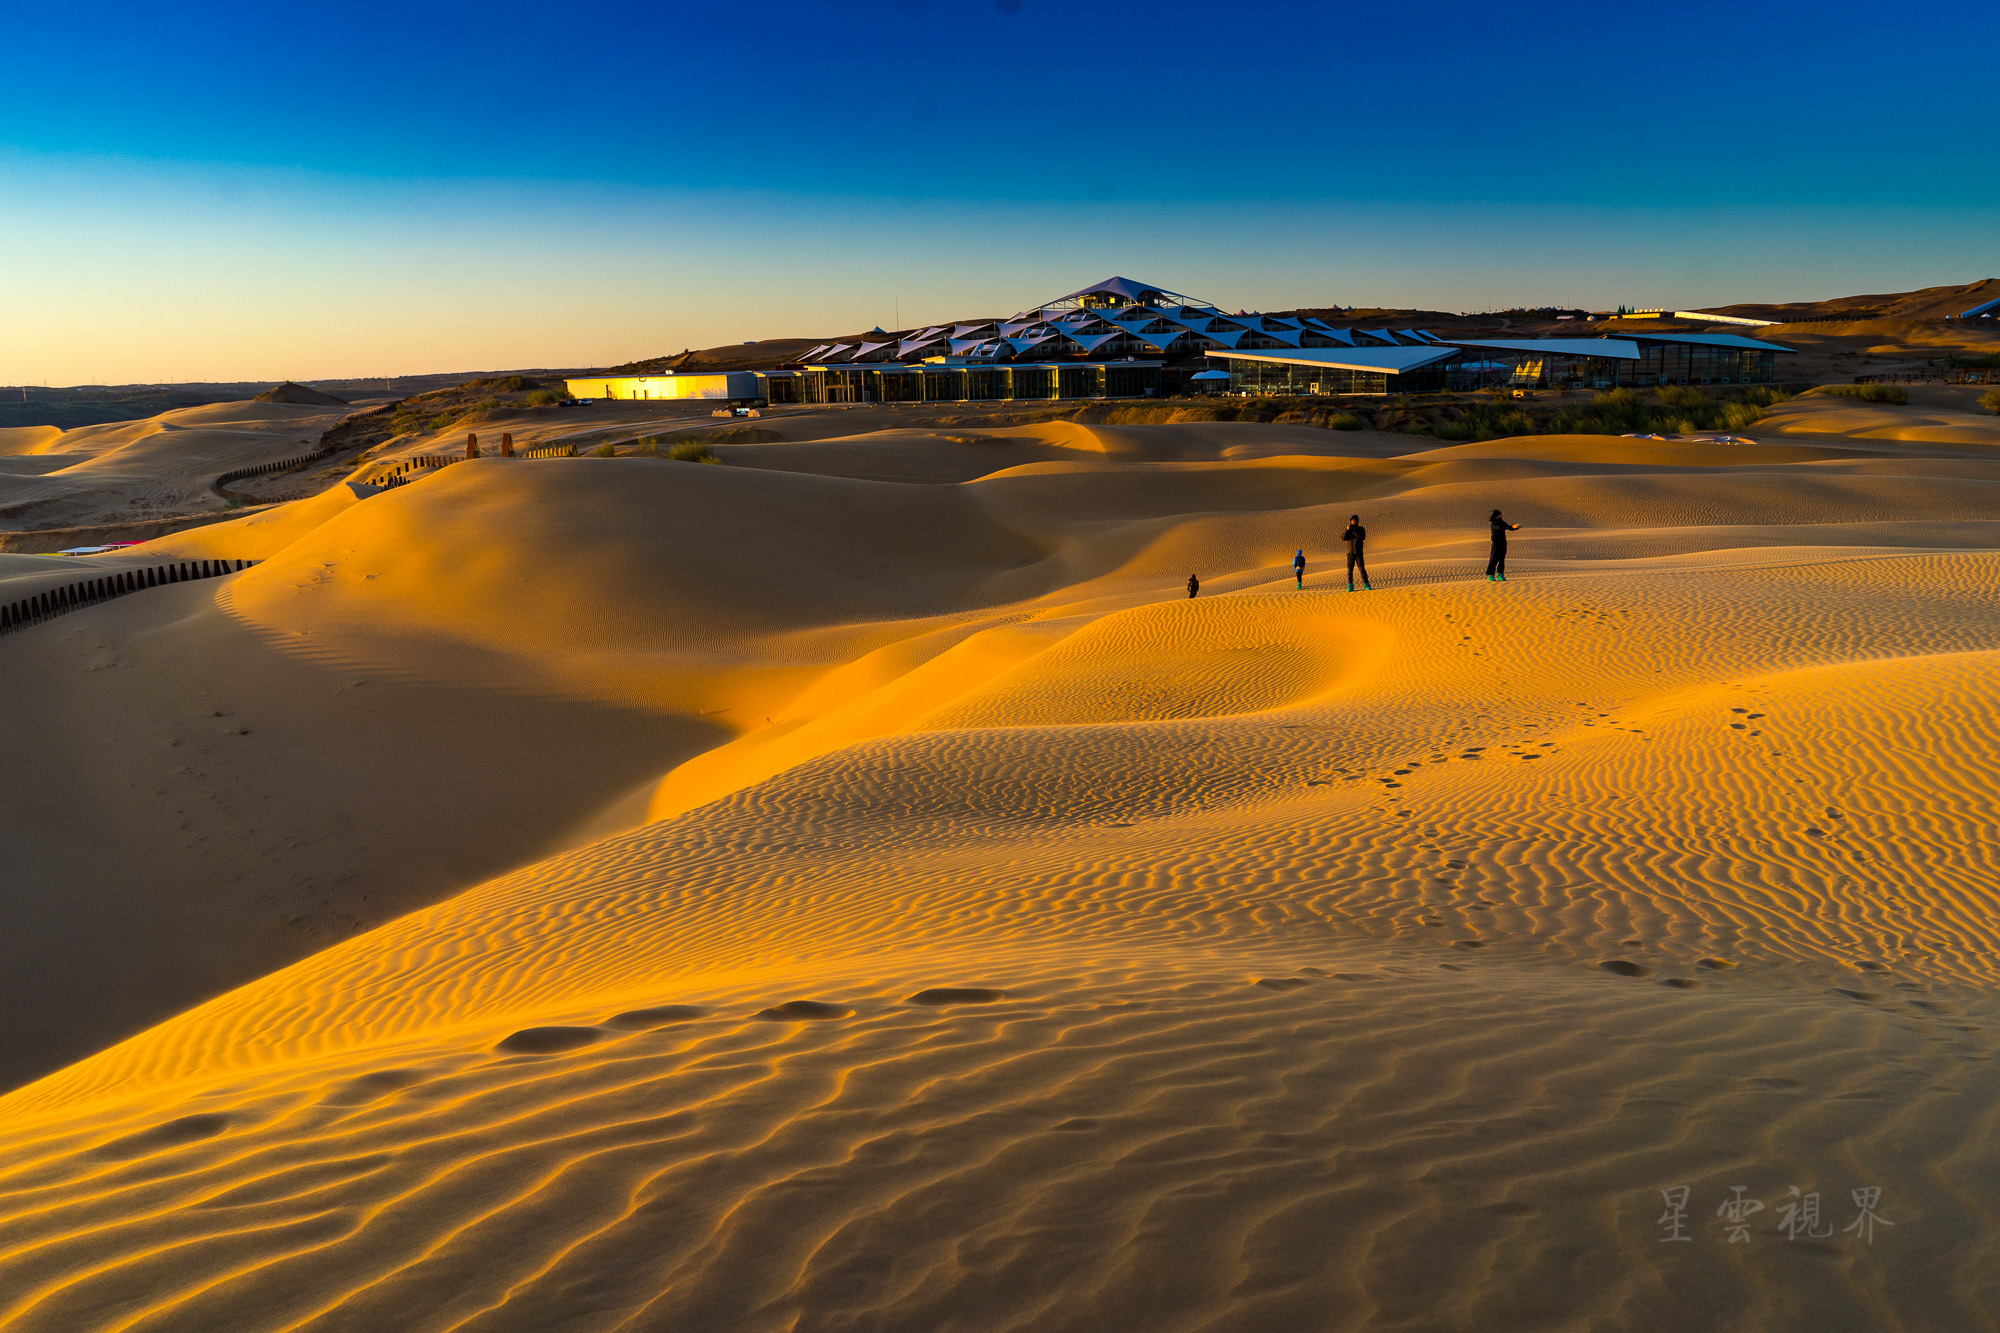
[143,469]
[1012,942]
[1938,416]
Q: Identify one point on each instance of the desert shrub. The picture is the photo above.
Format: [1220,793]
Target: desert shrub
[1684,397]
[1487,421]
[543,398]
[605,450]
[692,451]
[1614,412]
[1867,393]
[500,383]
[1344,421]
[737,435]
[1990,400]
[1415,428]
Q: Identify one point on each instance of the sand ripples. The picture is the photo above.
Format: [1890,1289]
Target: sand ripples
[1279,960]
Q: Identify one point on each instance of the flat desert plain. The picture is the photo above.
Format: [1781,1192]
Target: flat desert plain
[854,887]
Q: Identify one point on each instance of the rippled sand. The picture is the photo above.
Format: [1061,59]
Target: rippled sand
[1004,941]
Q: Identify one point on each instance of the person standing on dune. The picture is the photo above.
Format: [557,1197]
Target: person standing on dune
[1299,568]
[1496,559]
[1356,537]
[1194,585]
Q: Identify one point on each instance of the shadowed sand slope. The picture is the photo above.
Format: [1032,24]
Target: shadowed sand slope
[140,469]
[1029,947]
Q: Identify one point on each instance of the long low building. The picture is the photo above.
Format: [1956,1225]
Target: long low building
[953,382]
[947,382]
[1430,364]
[732,386]
[1102,341]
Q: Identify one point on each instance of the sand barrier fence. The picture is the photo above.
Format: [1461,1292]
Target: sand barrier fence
[265,469]
[69,597]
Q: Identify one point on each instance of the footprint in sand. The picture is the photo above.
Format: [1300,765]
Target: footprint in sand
[547,1041]
[1625,968]
[186,1129]
[1468,944]
[1714,964]
[1283,983]
[1679,983]
[957,995]
[793,1010]
[658,1017]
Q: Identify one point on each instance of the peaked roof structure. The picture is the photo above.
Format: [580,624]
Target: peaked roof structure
[1121,292]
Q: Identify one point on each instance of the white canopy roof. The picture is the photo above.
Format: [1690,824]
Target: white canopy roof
[1616,349]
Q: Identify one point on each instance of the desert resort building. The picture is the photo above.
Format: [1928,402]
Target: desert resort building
[1124,339]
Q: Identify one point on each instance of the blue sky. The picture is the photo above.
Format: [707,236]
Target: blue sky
[236,191]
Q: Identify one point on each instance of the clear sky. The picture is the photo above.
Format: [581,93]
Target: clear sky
[239,191]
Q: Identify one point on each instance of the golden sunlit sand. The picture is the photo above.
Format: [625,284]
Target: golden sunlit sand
[854,887]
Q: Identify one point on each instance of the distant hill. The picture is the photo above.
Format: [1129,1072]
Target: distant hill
[95,404]
[289,392]
[1924,304]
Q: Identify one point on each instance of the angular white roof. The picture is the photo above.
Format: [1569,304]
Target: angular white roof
[1616,349]
[1736,340]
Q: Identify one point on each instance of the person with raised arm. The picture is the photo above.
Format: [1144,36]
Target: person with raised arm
[1496,559]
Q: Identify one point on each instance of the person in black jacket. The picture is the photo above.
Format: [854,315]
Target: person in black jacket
[1299,568]
[1496,559]
[1356,537]
[1194,585]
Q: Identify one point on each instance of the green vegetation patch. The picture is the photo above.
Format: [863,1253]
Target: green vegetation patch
[1674,409]
[1867,393]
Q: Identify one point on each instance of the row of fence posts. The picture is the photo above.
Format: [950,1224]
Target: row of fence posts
[401,474]
[71,596]
[264,468]
[506,444]
[507,448]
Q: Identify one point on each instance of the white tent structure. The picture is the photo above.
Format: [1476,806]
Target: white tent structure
[1112,320]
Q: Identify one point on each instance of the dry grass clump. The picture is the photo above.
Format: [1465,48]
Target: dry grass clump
[1674,409]
[1867,393]
[1284,411]
[1990,400]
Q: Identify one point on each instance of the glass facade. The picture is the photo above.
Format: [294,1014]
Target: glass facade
[1472,368]
[964,383]
[1293,381]
[1696,363]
